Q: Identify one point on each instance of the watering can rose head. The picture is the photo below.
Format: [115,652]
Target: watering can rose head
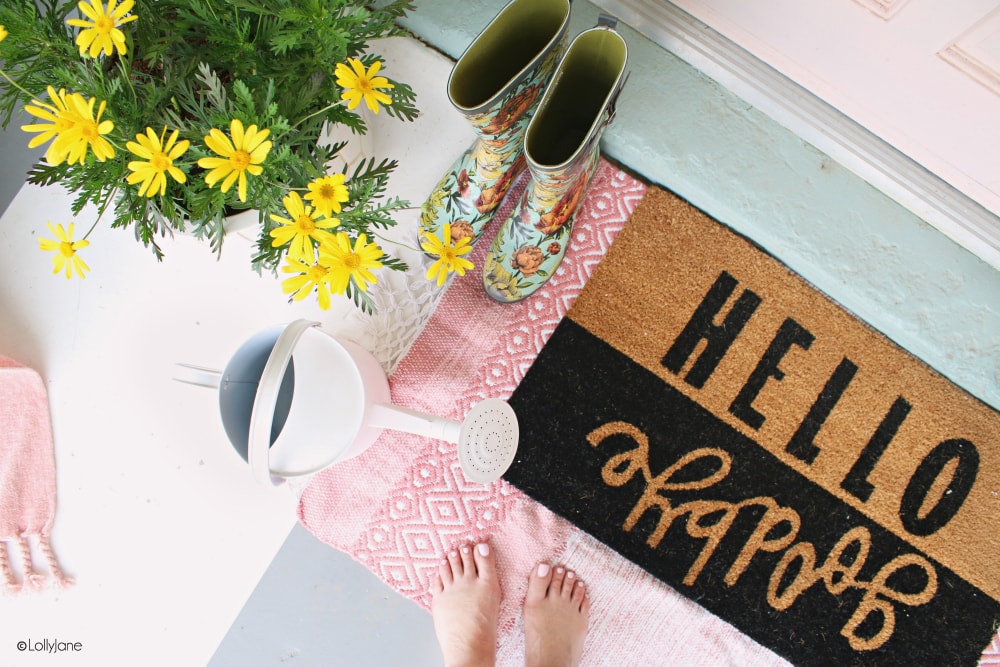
[171,115]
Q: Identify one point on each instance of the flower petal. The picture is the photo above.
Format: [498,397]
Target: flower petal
[236,129]
[92,10]
[219,143]
[260,153]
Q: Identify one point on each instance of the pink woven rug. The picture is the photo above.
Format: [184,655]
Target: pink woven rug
[400,506]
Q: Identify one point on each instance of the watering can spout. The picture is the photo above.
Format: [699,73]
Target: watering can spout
[395,418]
[487,438]
[197,375]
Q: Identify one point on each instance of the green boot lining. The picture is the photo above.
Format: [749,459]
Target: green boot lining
[514,38]
[577,97]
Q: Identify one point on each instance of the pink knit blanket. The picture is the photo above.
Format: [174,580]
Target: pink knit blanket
[27,478]
[400,506]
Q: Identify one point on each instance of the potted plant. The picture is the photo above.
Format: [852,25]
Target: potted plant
[172,114]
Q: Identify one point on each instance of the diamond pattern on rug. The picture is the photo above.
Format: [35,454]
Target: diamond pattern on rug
[454,508]
[401,505]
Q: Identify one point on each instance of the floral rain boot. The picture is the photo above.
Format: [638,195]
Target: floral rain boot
[562,149]
[496,85]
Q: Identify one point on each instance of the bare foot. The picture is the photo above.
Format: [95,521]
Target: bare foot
[465,606]
[556,609]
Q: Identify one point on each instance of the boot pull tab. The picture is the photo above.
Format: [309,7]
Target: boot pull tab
[607,21]
[610,22]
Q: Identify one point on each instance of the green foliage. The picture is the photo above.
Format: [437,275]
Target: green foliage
[194,65]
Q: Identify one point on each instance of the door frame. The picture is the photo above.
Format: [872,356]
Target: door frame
[925,194]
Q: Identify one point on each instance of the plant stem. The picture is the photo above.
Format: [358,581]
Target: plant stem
[394,242]
[100,212]
[16,84]
[315,113]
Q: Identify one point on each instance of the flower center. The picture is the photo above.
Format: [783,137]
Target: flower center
[66,249]
[352,262]
[305,224]
[104,24]
[240,160]
[160,162]
[364,85]
[88,129]
[327,191]
[448,254]
[316,273]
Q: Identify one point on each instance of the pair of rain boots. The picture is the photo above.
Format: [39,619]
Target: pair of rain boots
[533,103]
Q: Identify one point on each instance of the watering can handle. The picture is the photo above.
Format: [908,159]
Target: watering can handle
[262,416]
[198,375]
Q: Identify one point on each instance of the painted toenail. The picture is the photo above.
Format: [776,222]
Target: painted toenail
[570,575]
[465,550]
[484,549]
[454,554]
[559,570]
[543,569]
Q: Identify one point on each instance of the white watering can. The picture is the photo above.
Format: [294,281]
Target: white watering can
[295,400]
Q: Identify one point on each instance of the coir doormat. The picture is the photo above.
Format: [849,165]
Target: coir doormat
[716,420]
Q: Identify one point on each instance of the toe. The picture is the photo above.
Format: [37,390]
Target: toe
[569,583]
[579,594]
[445,575]
[485,565]
[538,583]
[455,562]
[437,585]
[558,577]
[468,562]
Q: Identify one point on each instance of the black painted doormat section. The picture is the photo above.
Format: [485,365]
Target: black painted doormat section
[718,421]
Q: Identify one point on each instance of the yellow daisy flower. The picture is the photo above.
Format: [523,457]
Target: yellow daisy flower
[346,263]
[61,119]
[86,132]
[327,193]
[73,128]
[308,278]
[3,33]
[359,84]
[159,161]
[101,32]
[449,255]
[65,248]
[301,229]
[243,154]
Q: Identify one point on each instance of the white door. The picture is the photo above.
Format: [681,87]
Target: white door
[921,75]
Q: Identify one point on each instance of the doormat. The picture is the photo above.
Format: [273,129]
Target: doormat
[718,421]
